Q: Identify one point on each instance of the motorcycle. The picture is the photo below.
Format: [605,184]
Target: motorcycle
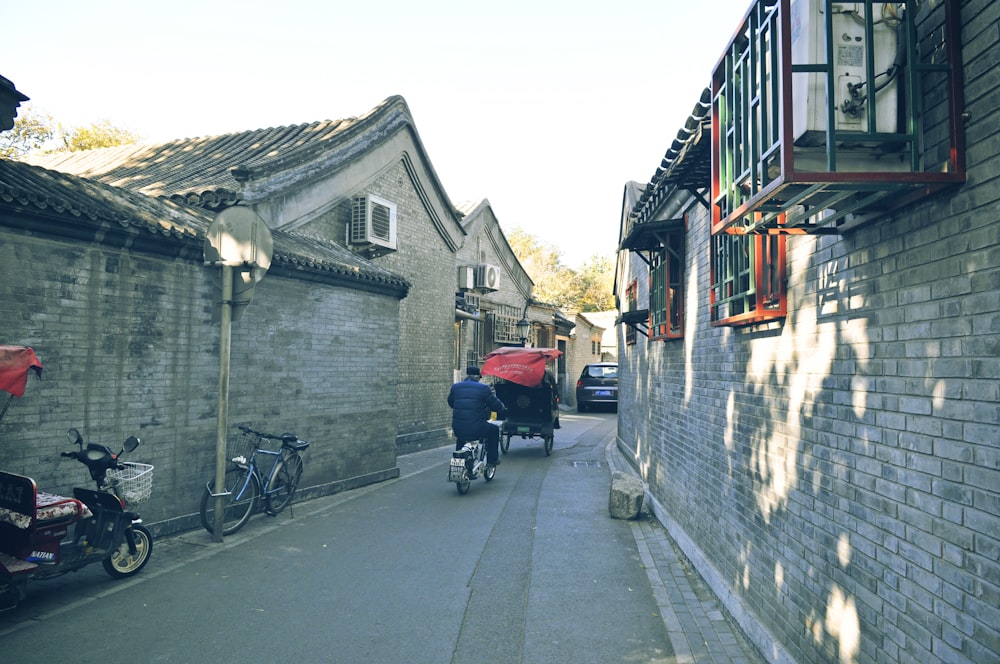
[34,525]
[469,463]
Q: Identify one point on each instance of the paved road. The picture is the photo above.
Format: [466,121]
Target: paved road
[526,568]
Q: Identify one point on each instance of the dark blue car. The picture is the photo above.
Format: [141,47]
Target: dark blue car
[598,385]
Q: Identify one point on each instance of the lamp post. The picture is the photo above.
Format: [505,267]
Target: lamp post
[523,327]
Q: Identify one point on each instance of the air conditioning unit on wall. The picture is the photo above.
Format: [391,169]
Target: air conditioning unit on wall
[488,277]
[850,51]
[466,277]
[373,222]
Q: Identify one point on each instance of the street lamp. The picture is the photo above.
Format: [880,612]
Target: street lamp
[523,327]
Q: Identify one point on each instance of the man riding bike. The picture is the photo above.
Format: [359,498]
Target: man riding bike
[471,402]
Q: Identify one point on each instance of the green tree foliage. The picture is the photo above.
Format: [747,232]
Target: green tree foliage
[585,289]
[596,277]
[32,131]
[101,134]
[35,131]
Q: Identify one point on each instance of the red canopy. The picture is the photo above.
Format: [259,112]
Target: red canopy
[524,366]
[15,362]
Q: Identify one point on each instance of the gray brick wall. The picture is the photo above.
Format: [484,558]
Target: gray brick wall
[837,474]
[426,316]
[130,345]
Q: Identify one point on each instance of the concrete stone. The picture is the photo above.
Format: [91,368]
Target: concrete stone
[625,499]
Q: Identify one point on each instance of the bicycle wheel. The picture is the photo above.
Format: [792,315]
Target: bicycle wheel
[238,506]
[283,483]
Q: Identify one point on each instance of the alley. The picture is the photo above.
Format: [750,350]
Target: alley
[526,568]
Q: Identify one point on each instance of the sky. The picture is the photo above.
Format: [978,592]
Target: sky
[546,108]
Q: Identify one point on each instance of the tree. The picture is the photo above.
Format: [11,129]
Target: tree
[587,289]
[596,278]
[32,130]
[35,131]
[100,134]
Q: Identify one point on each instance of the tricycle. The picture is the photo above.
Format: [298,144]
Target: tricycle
[34,525]
[528,390]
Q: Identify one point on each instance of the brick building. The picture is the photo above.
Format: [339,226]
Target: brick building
[811,392]
[348,339]
[493,290]
[495,293]
[585,349]
[365,184]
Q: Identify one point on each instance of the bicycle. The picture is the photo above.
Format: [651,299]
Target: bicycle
[244,484]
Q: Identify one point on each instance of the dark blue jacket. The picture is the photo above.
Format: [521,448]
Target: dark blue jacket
[471,403]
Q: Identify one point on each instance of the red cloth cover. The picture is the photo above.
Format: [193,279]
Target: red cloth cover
[524,366]
[14,364]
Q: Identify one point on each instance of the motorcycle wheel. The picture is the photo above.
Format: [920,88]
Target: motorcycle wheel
[120,563]
[489,472]
[463,485]
[548,444]
[504,443]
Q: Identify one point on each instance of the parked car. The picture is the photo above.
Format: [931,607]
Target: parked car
[598,384]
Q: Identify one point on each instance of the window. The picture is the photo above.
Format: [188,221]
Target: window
[505,324]
[631,304]
[748,279]
[666,288]
[660,244]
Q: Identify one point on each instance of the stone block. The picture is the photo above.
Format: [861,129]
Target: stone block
[625,500]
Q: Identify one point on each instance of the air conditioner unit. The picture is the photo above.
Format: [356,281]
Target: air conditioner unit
[373,222]
[488,277]
[466,277]
[850,64]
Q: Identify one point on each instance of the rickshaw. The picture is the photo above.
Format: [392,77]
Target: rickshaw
[527,390]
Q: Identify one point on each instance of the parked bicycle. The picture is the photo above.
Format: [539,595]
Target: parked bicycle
[246,481]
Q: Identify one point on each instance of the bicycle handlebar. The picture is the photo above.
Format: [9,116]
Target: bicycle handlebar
[270,436]
[246,429]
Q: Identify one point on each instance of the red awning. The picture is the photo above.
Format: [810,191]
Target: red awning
[15,362]
[524,366]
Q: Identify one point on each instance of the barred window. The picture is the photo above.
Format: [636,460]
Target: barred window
[505,319]
[631,304]
[666,289]
[748,279]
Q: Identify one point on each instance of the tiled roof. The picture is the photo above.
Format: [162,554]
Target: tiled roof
[203,171]
[686,164]
[38,191]
[29,192]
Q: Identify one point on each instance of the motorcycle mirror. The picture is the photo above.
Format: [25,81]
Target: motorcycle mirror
[130,444]
[75,437]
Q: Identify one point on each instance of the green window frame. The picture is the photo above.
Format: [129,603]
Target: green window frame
[748,279]
[666,289]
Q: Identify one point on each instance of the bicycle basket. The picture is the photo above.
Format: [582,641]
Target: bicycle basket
[135,481]
[242,445]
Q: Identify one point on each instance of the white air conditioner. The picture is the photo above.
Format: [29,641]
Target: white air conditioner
[809,109]
[373,222]
[488,277]
[466,277]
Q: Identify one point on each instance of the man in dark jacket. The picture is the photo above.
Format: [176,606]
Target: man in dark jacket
[471,403]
